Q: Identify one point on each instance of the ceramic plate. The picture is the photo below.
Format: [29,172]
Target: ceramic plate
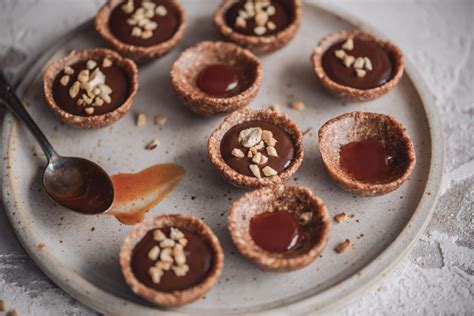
[80,253]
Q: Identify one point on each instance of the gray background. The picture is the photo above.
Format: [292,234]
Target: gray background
[437,276]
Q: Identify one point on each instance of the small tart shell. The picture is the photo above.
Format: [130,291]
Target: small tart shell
[237,179]
[259,44]
[286,198]
[353,94]
[358,126]
[193,60]
[93,121]
[140,54]
[176,298]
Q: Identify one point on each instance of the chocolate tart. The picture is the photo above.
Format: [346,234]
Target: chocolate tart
[183,222]
[224,17]
[140,50]
[361,126]
[289,198]
[345,91]
[124,68]
[187,67]
[280,122]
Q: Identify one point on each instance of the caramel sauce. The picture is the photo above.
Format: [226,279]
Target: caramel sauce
[367,160]
[137,193]
[275,231]
[218,80]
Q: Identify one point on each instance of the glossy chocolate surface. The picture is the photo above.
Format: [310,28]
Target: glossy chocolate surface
[218,80]
[367,160]
[167,25]
[275,231]
[115,78]
[284,146]
[382,65]
[281,18]
[199,258]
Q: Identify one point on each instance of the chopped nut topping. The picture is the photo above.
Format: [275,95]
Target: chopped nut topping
[147,34]
[348,60]
[260,30]
[271,26]
[163,265]
[91,64]
[349,44]
[152,144]
[240,22]
[255,170]
[167,243]
[263,160]
[271,151]
[161,10]
[341,217]
[89,111]
[271,10]
[368,63]
[179,256]
[64,80]
[259,146]
[106,62]
[306,217]
[68,70]
[340,53]
[180,270]
[148,5]
[98,102]
[360,73]
[297,105]
[88,100]
[165,255]
[269,171]
[176,234]
[136,31]
[74,89]
[160,120]
[183,241]
[155,274]
[257,158]
[266,136]
[80,102]
[261,18]
[343,246]
[128,7]
[359,63]
[151,26]
[238,153]
[250,137]
[153,253]
[158,235]
[107,99]
[141,119]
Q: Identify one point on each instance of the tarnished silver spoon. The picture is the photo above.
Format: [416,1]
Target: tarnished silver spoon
[75,183]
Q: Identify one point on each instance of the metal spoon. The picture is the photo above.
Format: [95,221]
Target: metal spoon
[75,183]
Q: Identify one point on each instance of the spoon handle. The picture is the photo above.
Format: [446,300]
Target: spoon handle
[14,105]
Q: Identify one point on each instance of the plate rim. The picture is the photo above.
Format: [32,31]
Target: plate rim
[325,301]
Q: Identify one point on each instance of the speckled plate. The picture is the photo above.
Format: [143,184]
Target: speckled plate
[80,253]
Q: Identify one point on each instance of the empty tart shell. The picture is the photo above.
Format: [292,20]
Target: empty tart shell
[193,60]
[259,44]
[353,94]
[140,54]
[176,298]
[245,115]
[359,126]
[93,121]
[289,198]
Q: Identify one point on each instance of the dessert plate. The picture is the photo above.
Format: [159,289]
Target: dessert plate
[80,253]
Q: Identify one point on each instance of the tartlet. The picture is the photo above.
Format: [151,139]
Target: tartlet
[243,116]
[57,69]
[291,198]
[138,52]
[264,43]
[192,61]
[179,221]
[360,126]
[349,93]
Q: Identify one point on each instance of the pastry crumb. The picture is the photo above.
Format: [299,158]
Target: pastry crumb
[341,217]
[141,119]
[343,246]
[297,105]
[160,120]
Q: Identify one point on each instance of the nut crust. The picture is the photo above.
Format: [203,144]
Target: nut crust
[94,121]
[138,53]
[348,93]
[176,298]
[281,197]
[190,62]
[237,179]
[358,126]
[259,44]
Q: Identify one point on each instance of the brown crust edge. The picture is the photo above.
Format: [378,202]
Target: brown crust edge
[206,105]
[175,298]
[365,189]
[352,94]
[258,44]
[94,121]
[138,53]
[267,260]
[237,179]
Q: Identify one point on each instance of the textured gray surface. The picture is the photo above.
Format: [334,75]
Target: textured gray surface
[437,277]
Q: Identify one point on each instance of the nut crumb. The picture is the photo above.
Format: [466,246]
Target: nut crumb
[160,120]
[343,246]
[297,105]
[341,217]
[152,144]
[274,107]
[141,119]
